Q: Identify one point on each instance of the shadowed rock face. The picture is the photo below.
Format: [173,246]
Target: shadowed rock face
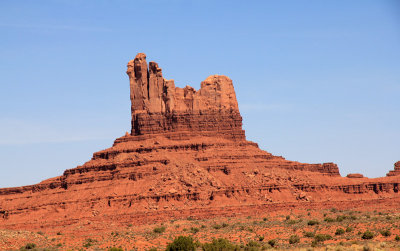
[158,106]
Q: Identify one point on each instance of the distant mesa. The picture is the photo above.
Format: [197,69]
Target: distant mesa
[355,175]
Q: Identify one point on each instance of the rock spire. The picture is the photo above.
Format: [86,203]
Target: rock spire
[159,107]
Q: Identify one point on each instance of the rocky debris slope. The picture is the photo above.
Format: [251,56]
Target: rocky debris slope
[186,155]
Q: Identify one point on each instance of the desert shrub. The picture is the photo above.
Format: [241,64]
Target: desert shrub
[340,231]
[341,218]
[334,210]
[159,230]
[194,230]
[397,238]
[88,243]
[322,237]
[260,238]
[265,219]
[291,222]
[29,246]
[252,246]
[312,222]
[386,233]
[225,224]
[220,245]
[116,249]
[308,234]
[287,217]
[182,243]
[294,239]
[272,242]
[153,249]
[349,229]
[353,217]
[329,219]
[367,235]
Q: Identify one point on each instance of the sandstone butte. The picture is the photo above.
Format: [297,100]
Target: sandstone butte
[186,155]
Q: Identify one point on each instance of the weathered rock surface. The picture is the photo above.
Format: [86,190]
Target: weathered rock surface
[186,155]
[158,106]
[395,171]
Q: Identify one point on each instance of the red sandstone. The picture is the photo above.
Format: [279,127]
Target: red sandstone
[186,155]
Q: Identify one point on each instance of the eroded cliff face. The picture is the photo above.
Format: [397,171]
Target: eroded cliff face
[186,155]
[158,106]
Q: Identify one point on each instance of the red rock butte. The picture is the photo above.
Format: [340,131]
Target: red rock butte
[186,155]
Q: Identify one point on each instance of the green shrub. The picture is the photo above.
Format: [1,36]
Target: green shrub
[312,222]
[308,234]
[329,219]
[291,222]
[349,229]
[367,235]
[182,243]
[340,231]
[322,237]
[272,242]
[386,233]
[260,238]
[252,246]
[88,243]
[265,219]
[341,218]
[217,226]
[194,230]
[287,217]
[220,245]
[29,246]
[116,249]
[397,238]
[294,239]
[159,230]
[366,248]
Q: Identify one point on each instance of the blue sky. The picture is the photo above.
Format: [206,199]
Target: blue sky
[316,81]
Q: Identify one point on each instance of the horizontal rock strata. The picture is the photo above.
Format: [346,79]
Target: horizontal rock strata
[186,155]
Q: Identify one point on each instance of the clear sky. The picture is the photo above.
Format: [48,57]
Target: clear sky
[316,81]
